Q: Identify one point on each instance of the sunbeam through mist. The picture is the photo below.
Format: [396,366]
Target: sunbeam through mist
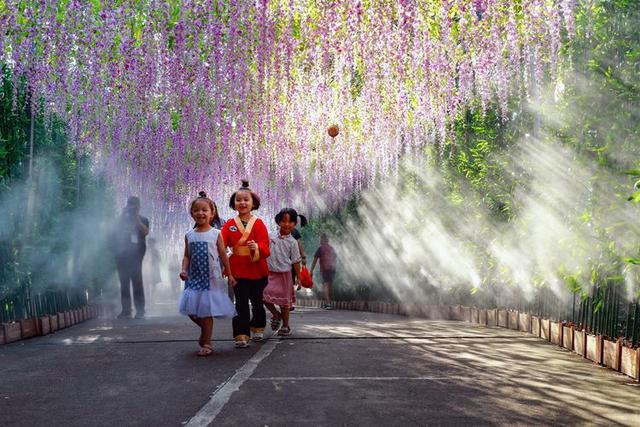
[421,243]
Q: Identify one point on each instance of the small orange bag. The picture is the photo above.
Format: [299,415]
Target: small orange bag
[305,278]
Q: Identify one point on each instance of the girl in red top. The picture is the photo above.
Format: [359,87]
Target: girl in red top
[248,238]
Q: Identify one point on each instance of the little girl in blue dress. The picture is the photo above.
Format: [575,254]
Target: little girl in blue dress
[205,294]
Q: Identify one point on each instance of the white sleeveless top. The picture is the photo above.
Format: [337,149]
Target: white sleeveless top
[204,264]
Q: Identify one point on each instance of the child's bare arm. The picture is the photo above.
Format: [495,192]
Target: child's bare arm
[302,255]
[185,261]
[296,268]
[222,253]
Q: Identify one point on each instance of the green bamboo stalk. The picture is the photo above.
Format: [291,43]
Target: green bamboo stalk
[605,310]
[616,318]
[592,315]
[629,324]
[612,298]
[636,319]
[602,312]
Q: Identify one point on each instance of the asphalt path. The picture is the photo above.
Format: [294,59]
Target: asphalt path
[338,368]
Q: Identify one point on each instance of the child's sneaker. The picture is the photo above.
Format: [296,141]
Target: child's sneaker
[328,307]
[285,331]
[257,336]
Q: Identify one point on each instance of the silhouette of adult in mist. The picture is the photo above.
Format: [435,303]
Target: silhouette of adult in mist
[128,244]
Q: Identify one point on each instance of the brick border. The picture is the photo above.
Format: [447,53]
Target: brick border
[44,325]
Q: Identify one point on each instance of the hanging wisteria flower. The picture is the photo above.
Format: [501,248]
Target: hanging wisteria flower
[188,94]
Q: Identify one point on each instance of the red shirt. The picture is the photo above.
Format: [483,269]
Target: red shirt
[241,265]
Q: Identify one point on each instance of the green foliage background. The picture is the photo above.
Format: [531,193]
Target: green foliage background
[41,211]
[597,116]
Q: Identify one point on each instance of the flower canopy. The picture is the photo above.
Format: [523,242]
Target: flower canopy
[181,95]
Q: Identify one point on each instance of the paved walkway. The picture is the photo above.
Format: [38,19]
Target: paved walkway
[339,368]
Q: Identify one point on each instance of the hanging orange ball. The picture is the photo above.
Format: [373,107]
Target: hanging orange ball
[333,131]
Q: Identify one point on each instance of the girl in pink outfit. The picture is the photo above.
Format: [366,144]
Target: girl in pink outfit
[284,254]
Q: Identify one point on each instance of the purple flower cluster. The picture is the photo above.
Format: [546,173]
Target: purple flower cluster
[176,96]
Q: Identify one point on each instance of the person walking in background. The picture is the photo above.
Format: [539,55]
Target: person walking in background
[248,238]
[205,293]
[327,257]
[128,244]
[302,220]
[152,270]
[284,255]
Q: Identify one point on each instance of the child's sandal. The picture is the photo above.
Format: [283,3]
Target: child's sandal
[285,331]
[205,350]
[275,323]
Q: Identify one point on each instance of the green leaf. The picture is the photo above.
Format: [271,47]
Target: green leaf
[598,306]
[635,197]
[585,217]
[175,120]
[572,284]
[634,261]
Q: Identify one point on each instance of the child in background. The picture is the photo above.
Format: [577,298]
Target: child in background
[153,263]
[296,235]
[176,283]
[285,254]
[327,256]
[205,292]
[247,235]
[217,222]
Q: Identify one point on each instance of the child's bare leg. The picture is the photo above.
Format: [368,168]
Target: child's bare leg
[198,321]
[207,330]
[285,316]
[272,308]
[327,292]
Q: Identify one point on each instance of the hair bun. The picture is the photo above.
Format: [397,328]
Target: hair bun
[245,183]
[202,194]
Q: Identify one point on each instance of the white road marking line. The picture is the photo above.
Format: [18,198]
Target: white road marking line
[221,396]
[357,378]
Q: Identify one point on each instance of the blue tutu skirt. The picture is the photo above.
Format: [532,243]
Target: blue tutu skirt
[209,303]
